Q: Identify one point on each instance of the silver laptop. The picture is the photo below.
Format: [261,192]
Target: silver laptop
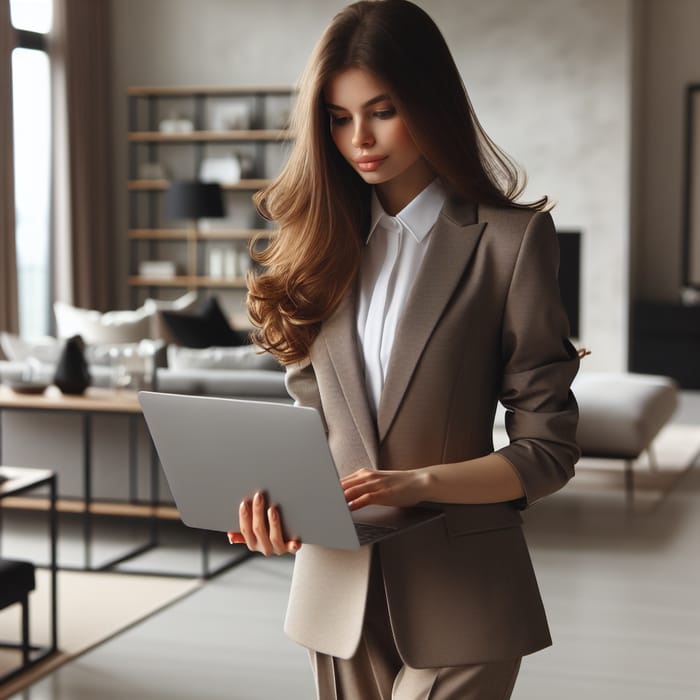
[215,452]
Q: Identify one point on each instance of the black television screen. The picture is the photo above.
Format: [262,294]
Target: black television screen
[570,276]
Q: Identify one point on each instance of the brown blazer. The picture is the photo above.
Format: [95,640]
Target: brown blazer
[483,322]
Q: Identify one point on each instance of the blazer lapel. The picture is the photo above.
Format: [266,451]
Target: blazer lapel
[451,246]
[340,338]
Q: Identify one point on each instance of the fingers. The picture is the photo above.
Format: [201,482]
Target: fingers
[383,487]
[358,477]
[260,525]
[362,487]
[279,545]
[261,528]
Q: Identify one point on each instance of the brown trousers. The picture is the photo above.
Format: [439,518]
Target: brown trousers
[376,671]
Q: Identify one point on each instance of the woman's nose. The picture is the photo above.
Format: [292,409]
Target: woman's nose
[362,136]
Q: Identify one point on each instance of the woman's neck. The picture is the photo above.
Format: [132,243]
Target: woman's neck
[395,194]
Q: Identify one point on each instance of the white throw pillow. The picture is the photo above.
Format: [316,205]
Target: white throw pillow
[240,357]
[97,328]
[112,327]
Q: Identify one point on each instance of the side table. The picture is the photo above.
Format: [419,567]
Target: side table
[18,480]
[102,402]
[97,401]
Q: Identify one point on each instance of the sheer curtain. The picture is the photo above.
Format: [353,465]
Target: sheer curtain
[79,46]
[9,314]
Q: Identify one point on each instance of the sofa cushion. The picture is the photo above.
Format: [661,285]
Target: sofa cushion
[620,414]
[96,328]
[241,357]
[204,328]
[123,326]
[246,384]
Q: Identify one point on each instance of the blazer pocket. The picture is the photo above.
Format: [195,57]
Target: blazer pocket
[470,519]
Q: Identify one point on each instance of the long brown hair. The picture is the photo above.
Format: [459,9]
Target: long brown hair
[321,206]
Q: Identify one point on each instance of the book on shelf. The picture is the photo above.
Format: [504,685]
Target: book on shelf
[157,268]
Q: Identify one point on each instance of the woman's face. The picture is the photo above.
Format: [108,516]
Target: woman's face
[371,135]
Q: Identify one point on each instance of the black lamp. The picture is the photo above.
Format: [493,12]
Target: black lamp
[194,200]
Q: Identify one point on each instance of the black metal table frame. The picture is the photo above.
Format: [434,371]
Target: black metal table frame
[41,652]
[153,502]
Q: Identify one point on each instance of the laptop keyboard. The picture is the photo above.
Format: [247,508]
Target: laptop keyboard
[367,533]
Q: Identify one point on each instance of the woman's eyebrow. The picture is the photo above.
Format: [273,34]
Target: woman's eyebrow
[369,103]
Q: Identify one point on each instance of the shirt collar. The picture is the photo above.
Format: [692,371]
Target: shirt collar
[417,217]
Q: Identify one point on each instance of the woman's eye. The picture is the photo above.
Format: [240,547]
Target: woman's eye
[385,113]
[338,120]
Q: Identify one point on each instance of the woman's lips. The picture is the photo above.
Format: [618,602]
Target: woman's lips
[369,163]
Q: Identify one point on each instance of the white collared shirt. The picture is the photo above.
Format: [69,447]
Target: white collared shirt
[391,259]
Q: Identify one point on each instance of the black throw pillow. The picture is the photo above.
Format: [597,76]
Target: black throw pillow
[207,327]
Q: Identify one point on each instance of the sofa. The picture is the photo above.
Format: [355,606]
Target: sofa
[238,372]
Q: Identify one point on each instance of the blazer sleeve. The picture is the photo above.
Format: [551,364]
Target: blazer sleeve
[301,384]
[539,364]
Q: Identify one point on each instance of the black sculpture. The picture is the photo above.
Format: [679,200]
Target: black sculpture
[72,375]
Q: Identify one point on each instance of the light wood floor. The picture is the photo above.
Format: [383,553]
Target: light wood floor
[622,593]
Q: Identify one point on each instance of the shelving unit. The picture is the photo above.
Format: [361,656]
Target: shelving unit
[248,122]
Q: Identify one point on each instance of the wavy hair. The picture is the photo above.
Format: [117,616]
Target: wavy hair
[322,207]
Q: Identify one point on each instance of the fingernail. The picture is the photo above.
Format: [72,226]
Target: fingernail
[258,497]
[244,506]
[272,512]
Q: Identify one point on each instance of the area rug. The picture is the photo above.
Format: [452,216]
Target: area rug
[677,450]
[92,607]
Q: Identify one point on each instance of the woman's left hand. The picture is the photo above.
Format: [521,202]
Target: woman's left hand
[383,487]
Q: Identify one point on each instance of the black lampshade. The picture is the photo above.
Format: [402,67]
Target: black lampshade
[194,200]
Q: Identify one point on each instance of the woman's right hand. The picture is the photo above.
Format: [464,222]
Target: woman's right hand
[261,529]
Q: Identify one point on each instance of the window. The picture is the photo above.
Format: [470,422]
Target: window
[31,106]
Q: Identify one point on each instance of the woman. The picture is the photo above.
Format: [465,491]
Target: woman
[407,292]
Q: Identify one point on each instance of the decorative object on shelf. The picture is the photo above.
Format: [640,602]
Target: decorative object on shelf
[157,268]
[225,170]
[216,263]
[175,124]
[72,376]
[690,296]
[231,263]
[247,165]
[234,116]
[244,264]
[194,201]
[152,171]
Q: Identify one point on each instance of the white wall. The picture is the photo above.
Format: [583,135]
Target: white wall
[550,81]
